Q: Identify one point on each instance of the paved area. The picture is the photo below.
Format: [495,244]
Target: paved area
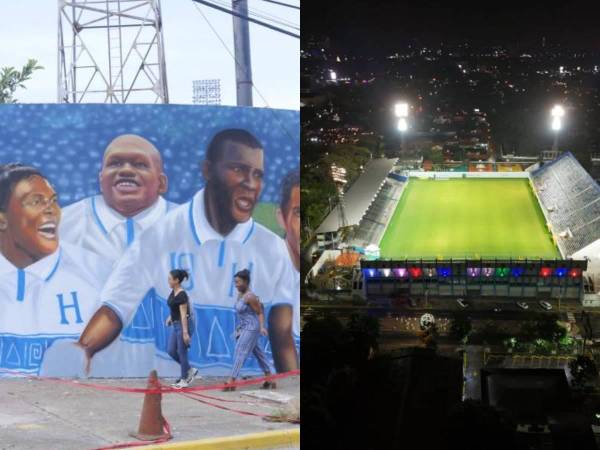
[45,415]
[473,363]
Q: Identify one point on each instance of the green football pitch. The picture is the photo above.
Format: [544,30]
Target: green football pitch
[468,218]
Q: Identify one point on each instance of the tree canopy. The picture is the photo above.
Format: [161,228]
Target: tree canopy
[11,79]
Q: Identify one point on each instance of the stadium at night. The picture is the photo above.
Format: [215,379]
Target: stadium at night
[529,234]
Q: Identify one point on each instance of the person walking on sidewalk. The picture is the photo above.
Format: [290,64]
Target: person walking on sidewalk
[251,320]
[181,318]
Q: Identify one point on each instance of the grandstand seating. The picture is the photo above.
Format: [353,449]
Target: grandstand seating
[373,224]
[566,185]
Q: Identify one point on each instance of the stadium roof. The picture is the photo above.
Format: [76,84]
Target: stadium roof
[360,195]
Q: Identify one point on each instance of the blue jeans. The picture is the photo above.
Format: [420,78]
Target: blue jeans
[177,348]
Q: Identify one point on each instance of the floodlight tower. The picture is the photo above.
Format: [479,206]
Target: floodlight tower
[557,114]
[338,174]
[111,51]
[401,112]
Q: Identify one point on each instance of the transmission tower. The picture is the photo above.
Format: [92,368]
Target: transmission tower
[111,51]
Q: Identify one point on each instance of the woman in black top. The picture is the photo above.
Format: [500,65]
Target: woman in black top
[183,327]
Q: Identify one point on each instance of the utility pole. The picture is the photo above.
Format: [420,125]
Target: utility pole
[241,40]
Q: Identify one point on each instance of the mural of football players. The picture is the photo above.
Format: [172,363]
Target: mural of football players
[131,183]
[212,236]
[284,317]
[48,289]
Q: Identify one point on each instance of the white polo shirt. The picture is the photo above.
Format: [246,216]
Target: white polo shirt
[92,224]
[185,239]
[292,289]
[51,299]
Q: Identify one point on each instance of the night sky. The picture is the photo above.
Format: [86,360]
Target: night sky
[381,24]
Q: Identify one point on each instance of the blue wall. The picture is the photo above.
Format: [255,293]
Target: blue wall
[66,142]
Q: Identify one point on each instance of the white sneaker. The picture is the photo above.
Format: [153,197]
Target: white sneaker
[192,373]
[176,383]
[181,384]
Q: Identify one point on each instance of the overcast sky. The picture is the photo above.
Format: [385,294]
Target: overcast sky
[28,29]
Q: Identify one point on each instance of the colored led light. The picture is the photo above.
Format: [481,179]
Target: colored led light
[400,272]
[445,272]
[516,271]
[575,273]
[546,271]
[473,271]
[487,271]
[415,272]
[560,272]
[386,272]
[502,271]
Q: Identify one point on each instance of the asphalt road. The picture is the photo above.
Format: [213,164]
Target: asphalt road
[472,369]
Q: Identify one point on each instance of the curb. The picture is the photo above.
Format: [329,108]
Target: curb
[267,439]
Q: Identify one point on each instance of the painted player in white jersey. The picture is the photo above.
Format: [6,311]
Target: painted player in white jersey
[284,316]
[47,291]
[131,181]
[212,237]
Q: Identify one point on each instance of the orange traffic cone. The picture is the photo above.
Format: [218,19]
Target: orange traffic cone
[152,422]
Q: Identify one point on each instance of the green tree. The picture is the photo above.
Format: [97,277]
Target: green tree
[460,328]
[583,369]
[361,338]
[547,329]
[11,79]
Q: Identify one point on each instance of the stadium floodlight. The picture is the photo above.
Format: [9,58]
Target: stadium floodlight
[402,125]
[557,111]
[557,114]
[401,109]
[556,124]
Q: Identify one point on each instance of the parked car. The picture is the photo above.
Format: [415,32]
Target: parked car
[461,302]
[522,305]
[547,306]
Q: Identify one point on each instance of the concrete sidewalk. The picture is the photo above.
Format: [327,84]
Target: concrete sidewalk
[45,415]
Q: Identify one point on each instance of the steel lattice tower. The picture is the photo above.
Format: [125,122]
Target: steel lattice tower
[111,51]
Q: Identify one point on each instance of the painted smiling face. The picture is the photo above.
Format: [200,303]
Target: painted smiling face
[131,179]
[32,216]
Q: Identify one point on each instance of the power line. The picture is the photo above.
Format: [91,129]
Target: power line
[264,15]
[249,19]
[282,4]
[285,130]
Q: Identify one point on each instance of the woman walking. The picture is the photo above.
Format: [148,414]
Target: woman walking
[183,327]
[251,321]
